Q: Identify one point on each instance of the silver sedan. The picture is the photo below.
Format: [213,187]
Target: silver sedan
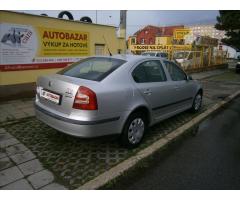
[119,94]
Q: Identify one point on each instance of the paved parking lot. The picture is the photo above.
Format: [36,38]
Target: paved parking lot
[16,109]
[72,161]
[19,167]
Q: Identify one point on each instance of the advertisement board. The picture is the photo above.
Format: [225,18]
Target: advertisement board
[206,41]
[25,47]
[158,47]
[149,47]
[179,34]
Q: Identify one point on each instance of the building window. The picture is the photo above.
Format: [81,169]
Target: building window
[133,41]
[142,41]
[150,41]
[99,49]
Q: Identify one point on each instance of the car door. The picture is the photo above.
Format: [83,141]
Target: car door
[150,79]
[183,88]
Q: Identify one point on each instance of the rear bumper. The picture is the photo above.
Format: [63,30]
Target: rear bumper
[86,129]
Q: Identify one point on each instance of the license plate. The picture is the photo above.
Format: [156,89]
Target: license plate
[55,98]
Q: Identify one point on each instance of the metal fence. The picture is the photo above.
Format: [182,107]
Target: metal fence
[197,60]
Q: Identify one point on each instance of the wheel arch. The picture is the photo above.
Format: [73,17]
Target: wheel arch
[200,90]
[142,109]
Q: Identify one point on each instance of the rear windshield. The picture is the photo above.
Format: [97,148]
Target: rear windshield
[94,68]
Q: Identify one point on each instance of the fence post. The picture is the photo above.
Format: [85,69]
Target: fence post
[209,56]
[202,57]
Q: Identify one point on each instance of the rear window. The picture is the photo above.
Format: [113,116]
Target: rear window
[95,68]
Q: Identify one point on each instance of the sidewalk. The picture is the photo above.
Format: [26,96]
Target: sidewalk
[15,110]
[19,109]
[207,74]
[20,169]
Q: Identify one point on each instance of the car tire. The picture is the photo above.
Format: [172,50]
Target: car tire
[197,102]
[134,130]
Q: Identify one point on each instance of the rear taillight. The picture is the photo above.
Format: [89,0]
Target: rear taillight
[85,99]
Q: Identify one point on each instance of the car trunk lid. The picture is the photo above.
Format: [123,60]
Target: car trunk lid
[58,91]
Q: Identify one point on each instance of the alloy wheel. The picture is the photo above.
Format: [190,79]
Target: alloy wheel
[136,131]
[198,102]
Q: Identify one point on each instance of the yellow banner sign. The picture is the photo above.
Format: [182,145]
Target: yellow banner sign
[158,47]
[149,47]
[180,33]
[56,42]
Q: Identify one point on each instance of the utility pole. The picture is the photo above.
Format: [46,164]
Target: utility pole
[123,25]
[96,16]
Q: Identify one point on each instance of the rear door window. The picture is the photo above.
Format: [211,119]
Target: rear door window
[149,71]
[175,72]
[94,68]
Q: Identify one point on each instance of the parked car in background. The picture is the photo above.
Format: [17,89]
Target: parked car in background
[186,59]
[115,95]
[238,66]
[155,54]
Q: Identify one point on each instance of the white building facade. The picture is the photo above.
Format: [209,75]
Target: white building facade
[203,30]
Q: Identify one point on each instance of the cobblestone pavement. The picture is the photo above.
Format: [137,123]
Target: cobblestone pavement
[74,161]
[19,167]
[16,109]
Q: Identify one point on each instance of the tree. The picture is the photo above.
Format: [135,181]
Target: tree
[229,21]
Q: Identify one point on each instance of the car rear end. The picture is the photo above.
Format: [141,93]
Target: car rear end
[71,101]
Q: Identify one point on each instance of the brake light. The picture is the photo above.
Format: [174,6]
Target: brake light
[85,99]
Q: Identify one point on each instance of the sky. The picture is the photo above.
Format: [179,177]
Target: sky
[139,19]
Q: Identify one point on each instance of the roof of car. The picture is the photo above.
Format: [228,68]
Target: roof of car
[183,51]
[128,57]
[153,52]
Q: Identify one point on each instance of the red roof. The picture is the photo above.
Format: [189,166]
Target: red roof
[161,31]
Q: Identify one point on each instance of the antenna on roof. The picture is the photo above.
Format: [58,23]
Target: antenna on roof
[110,54]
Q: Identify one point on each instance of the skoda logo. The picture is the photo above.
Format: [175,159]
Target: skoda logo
[49,83]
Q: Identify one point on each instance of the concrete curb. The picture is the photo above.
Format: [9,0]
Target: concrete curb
[122,167]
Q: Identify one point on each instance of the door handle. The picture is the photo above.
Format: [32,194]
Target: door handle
[147,92]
